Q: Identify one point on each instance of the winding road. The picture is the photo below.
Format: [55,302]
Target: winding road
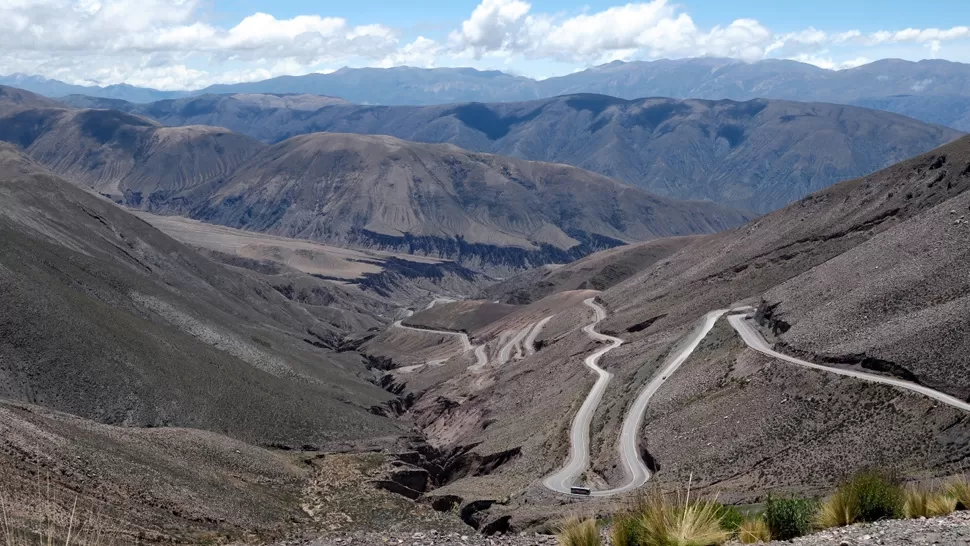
[530,342]
[579,434]
[753,339]
[636,471]
[466,344]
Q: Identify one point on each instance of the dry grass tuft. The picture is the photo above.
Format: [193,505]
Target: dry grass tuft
[59,528]
[959,488]
[578,532]
[753,531]
[923,502]
[684,522]
[839,510]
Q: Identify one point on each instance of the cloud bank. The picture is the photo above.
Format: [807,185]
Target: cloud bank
[168,44]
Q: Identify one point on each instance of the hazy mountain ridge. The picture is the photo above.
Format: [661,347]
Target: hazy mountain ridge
[700,78]
[758,155]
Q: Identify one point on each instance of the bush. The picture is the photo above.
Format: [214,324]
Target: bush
[753,531]
[681,523]
[789,518]
[878,496]
[730,518]
[922,502]
[959,488]
[868,496]
[625,530]
[578,532]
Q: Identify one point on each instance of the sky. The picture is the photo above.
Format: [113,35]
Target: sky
[190,44]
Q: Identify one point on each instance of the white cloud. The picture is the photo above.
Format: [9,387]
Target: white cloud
[653,29]
[171,44]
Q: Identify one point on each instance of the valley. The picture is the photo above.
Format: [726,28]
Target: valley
[289,318]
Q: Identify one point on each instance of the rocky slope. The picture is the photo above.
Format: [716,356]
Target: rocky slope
[757,155]
[123,156]
[109,319]
[869,273]
[597,271]
[13,99]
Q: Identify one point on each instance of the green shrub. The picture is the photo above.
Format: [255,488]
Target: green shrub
[625,530]
[730,517]
[878,495]
[867,496]
[789,518]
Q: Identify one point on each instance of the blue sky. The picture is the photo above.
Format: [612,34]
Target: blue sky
[179,44]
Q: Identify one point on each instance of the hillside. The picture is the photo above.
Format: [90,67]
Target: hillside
[758,155]
[13,100]
[869,274]
[597,271]
[487,212]
[106,318]
[490,213]
[125,156]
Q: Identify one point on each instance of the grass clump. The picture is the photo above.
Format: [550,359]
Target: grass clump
[578,532]
[789,518]
[753,531]
[923,502]
[868,496]
[959,488]
[683,522]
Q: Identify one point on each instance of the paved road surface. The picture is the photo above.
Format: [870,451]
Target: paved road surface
[530,342]
[579,434]
[481,359]
[506,353]
[753,338]
[636,471]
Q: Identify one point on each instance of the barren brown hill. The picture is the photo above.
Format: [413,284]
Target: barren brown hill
[13,100]
[484,211]
[125,157]
[107,318]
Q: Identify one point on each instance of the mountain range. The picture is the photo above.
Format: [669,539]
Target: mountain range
[489,212]
[932,90]
[757,155]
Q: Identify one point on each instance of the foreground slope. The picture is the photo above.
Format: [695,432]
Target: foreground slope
[758,155]
[107,318]
[487,212]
